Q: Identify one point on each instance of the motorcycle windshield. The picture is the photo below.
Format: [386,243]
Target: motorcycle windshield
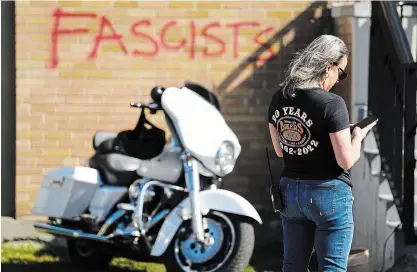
[199,125]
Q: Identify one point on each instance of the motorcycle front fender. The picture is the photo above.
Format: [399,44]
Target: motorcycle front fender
[218,200]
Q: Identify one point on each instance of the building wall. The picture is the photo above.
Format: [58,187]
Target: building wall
[79,64]
[343,30]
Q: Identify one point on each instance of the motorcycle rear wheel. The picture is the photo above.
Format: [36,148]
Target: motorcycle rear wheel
[233,239]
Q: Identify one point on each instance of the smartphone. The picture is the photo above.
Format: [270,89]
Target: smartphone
[365,122]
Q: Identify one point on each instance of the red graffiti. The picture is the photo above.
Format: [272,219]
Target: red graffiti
[135,32]
[165,44]
[236,27]
[108,34]
[218,40]
[192,42]
[100,37]
[56,31]
[260,43]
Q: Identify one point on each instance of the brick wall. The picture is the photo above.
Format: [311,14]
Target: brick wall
[79,64]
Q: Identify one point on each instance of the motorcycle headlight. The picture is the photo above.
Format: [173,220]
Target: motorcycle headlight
[225,158]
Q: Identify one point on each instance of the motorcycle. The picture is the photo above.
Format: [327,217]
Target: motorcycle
[166,209]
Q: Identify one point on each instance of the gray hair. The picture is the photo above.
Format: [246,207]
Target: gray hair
[309,65]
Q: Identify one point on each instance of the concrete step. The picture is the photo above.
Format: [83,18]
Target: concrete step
[371,150]
[393,224]
[369,144]
[385,189]
[390,198]
[392,213]
[392,216]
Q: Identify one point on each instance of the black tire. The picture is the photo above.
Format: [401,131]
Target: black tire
[239,257]
[87,257]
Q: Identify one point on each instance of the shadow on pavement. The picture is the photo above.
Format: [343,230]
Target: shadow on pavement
[267,258]
[56,267]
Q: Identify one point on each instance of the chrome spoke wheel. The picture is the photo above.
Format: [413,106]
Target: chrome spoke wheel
[220,240]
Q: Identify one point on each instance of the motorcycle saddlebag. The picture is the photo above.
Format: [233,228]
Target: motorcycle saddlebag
[66,192]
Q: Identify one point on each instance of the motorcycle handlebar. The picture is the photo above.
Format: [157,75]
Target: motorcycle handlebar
[153,107]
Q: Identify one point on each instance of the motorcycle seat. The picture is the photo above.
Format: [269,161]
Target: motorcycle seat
[115,168]
[102,136]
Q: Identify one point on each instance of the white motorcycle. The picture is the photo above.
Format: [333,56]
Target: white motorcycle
[166,209]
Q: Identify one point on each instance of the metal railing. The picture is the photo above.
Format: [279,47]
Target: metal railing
[392,98]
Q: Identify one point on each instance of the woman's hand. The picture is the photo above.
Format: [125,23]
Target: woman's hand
[361,133]
[358,133]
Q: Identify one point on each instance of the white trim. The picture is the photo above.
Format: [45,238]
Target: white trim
[352,10]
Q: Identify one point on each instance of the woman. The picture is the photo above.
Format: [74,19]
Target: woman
[309,128]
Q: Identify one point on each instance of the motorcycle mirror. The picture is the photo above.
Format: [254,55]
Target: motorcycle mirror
[156,94]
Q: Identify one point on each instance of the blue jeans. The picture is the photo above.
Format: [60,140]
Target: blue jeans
[316,213]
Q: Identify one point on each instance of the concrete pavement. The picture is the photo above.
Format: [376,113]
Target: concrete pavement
[22,229]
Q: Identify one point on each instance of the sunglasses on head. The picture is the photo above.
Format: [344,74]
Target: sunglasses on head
[342,73]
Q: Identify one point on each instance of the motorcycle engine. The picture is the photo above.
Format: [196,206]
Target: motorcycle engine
[136,188]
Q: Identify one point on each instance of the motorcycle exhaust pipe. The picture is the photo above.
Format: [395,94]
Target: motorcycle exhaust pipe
[64,232]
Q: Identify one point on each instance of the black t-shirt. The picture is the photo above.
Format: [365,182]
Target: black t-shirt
[303,124]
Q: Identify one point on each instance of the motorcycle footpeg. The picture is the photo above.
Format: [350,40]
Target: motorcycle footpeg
[88,217]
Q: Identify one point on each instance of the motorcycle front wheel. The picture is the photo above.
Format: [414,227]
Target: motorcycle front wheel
[231,242]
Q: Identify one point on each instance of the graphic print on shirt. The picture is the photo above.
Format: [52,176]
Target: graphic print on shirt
[293,131]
